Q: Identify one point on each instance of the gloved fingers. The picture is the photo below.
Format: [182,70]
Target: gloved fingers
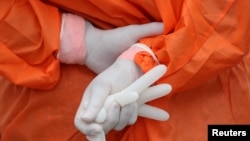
[134,114]
[96,95]
[97,137]
[90,129]
[85,100]
[154,92]
[126,113]
[151,112]
[126,98]
[145,30]
[121,99]
[147,79]
[133,33]
[113,115]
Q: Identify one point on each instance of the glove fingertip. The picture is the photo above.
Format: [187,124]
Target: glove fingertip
[166,117]
[101,117]
[168,88]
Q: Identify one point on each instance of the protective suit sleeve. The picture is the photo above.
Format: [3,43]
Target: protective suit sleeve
[209,38]
[29,41]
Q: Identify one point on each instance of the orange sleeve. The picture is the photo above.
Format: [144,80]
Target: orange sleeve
[209,38]
[29,40]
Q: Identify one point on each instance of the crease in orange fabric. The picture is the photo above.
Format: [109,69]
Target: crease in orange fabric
[31,46]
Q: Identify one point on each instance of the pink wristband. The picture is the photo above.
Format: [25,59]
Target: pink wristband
[72,48]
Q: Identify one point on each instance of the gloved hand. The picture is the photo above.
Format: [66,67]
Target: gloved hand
[82,43]
[114,79]
[137,94]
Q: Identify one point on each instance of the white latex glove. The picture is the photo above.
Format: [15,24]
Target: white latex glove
[104,46]
[138,93]
[117,77]
[82,43]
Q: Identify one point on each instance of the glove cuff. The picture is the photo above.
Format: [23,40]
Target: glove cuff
[72,48]
[148,58]
[134,49]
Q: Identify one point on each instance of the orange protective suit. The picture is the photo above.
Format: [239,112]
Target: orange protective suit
[205,44]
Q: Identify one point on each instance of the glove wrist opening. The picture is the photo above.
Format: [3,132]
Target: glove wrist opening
[72,48]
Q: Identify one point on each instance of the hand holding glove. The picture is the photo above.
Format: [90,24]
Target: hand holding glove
[82,43]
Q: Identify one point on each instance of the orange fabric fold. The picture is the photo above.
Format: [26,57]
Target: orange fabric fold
[207,40]
[29,40]
[205,46]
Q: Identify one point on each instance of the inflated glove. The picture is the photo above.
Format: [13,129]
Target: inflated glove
[82,43]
